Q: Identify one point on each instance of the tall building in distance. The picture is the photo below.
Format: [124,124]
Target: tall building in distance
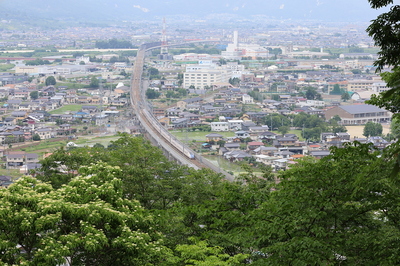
[232,51]
[164,55]
[236,50]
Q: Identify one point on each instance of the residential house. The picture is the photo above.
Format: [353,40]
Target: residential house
[267,135]
[235,124]
[247,99]
[19,115]
[46,133]
[13,104]
[213,137]
[182,104]
[265,150]
[232,146]
[236,155]
[89,109]
[247,124]
[83,99]
[219,126]
[252,145]
[242,134]
[14,160]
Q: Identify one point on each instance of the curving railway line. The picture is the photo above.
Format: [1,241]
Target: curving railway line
[154,129]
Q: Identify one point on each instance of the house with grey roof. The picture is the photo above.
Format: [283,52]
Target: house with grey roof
[320,154]
[236,155]
[182,104]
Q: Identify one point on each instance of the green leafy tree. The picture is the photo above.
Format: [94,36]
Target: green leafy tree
[148,176]
[224,210]
[283,129]
[275,97]
[336,90]
[395,128]
[274,121]
[329,212]
[312,134]
[201,254]
[35,137]
[50,81]
[152,94]
[234,81]
[86,222]
[182,92]
[383,31]
[312,94]
[336,118]
[94,82]
[308,121]
[338,129]
[153,71]
[372,129]
[98,145]
[34,95]
[345,96]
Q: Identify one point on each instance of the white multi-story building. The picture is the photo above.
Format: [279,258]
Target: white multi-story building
[235,124]
[247,99]
[201,76]
[360,84]
[379,87]
[219,126]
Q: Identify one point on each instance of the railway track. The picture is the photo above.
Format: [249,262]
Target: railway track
[161,136]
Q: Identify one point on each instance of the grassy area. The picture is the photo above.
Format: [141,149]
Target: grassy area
[72,85]
[90,141]
[66,108]
[6,67]
[198,135]
[252,108]
[292,131]
[46,146]
[10,172]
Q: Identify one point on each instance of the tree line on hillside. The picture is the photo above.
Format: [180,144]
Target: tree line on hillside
[113,43]
[126,203]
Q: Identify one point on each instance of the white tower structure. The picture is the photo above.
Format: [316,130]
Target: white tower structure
[235,39]
[164,44]
[232,50]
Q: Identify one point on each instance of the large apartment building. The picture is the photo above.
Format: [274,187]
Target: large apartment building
[360,84]
[201,76]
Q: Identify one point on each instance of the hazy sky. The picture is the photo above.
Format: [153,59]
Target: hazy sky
[328,10]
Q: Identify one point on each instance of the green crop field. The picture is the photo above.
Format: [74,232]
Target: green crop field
[6,67]
[198,135]
[67,108]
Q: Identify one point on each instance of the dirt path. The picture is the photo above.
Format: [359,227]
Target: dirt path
[357,131]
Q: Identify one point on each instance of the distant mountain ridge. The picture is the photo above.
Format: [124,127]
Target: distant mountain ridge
[97,10]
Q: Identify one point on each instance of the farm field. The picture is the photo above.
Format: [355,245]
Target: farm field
[198,135]
[67,108]
[46,146]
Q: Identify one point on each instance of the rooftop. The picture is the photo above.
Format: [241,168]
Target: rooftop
[361,108]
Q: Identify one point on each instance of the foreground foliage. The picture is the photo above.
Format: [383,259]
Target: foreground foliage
[85,222]
[136,208]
